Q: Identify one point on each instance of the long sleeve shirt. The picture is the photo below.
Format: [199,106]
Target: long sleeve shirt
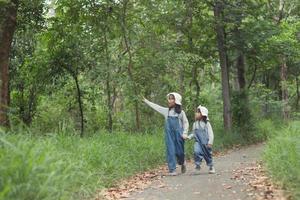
[183,121]
[209,129]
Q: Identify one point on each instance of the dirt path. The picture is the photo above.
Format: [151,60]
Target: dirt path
[221,185]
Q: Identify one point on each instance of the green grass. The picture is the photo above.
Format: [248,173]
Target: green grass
[282,158]
[68,167]
[62,166]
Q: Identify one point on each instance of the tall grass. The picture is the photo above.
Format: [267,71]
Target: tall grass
[64,166]
[282,158]
[68,167]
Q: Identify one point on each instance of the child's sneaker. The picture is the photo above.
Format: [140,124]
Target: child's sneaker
[197,170]
[183,168]
[173,173]
[212,170]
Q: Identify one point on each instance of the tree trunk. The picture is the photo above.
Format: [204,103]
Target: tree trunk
[108,87]
[197,86]
[223,62]
[7,29]
[241,71]
[281,11]
[284,90]
[253,76]
[32,100]
[22,102]
[109,106]
[283,69]
[181,80]
[27,106]
[79,100]
[240,61]
[130,63]
[266,81]
[241,112]
[298,94]
[189,14]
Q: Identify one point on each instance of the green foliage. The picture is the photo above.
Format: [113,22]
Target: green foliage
[59,41]
[242,116]
[63,167]
[172,47]
[282,156]
[265,129]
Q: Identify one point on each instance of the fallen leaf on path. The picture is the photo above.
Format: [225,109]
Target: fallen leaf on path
[161,186]
[228,187]
[135,183]
[261,185]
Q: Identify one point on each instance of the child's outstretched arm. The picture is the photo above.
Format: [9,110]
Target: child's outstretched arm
[158,108]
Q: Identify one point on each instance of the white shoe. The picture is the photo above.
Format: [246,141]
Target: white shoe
[211,170]
[172,173]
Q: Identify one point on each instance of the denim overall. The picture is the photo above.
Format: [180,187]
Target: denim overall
[200,147]
[174,142]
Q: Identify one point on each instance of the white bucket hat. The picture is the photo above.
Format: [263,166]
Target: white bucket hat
[203,110]
[177,97]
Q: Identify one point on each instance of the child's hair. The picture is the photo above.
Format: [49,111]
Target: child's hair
[204,118]
[178,108]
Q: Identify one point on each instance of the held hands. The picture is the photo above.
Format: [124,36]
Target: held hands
[190,136]
[187,137]
[184,136]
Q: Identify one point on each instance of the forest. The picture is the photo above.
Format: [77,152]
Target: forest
[74,74]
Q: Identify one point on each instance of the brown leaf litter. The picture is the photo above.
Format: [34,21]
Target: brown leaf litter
[261,186]
[135,183]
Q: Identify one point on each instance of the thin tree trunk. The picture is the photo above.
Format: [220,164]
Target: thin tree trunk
[181,80]
[283,69]
[197,85]
[31,105]
[223,62]
[130,63]
[108,87]
[22,104]
[298,94]
[241,71]
[241,115]
[79,100]
[266,102]
[253,76]
[284,91]
[228,63]
[27,107]
[240,61]
[109,105]
[189,14]
[7,29]
[281,11]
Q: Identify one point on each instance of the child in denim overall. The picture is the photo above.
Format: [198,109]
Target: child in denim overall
[176,129]
[204,136]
